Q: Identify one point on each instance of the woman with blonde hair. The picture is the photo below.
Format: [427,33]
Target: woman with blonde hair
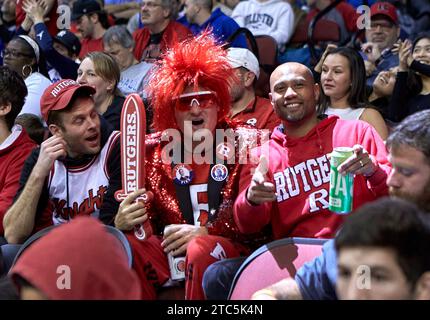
[100,71]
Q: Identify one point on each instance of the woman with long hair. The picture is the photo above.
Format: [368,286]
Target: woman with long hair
[343,84]
[412,90]
[23,55]
[100,71]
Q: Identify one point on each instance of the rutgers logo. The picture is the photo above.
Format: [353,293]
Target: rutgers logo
[88,205]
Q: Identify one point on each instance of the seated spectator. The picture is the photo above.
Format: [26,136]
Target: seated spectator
[343,14]
[94,260]
[282,191]
[61,52]
[412,88]
[409,149]
[381,36]
[33,125]
[159,32]
[382,89]
[8,14]
[391,238]
[199,17]
[343,84]
[15,145]
[100,71]
[246,106]
[274,18]
[119,43]
[92,23]
[24,56]
[72,170]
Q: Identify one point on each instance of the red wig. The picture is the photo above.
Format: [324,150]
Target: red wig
[196,62]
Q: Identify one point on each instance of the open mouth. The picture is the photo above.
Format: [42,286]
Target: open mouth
[424,61]
[93,138]
[197,122]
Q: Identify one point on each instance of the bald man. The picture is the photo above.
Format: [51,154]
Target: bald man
[289,188]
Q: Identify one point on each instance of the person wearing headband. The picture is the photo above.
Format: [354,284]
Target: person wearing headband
[23,55]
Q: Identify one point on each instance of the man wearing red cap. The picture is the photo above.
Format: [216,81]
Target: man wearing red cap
[71,171]
[381,36]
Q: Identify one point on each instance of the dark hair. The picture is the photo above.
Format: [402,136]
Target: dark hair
[103,18]
[39,66]
[415,83]
[13,90]
[413,131]
[357,97]
[32,125]
[393,224]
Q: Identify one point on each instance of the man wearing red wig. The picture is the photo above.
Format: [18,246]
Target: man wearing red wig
[190,97]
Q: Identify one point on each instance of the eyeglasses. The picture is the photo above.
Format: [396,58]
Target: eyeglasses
[382,25]
[150,5]
[14,53]
[203,99]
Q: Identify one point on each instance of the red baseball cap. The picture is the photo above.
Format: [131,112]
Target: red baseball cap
[59,94]
[384,9]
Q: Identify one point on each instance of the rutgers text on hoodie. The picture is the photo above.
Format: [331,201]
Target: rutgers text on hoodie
[273,17]
[300,170]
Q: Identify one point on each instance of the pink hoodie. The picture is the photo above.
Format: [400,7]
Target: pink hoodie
[300,170]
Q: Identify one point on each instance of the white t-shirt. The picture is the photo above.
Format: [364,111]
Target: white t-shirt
[346,114]
[274,18]
[36,84]
[135,78]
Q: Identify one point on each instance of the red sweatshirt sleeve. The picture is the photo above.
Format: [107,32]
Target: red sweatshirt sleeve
[11,181]
[249,218]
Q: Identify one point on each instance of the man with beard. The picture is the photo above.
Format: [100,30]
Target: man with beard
[409,147]
[92,23]
[383,33]
[72,170]
[289,189]
[246,106]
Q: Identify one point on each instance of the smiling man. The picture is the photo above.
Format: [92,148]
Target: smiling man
[290,192]
[71,171]
[191,97]
[289,189]
[381,36]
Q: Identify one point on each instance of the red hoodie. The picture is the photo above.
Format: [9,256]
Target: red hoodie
[93,258]
[300,170]
[13,152]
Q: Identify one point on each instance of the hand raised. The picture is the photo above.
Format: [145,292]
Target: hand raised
[261,190]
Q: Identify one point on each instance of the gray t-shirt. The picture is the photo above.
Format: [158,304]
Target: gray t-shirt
[135,78]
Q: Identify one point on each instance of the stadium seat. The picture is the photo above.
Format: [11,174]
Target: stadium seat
[268,58]
[271,263]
